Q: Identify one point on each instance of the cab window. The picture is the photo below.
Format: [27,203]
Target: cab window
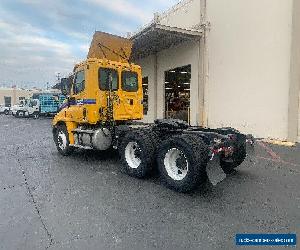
[106,76]
[32,103]
[129,81]
[79,82]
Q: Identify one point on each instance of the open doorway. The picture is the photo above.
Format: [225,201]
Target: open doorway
[177,93]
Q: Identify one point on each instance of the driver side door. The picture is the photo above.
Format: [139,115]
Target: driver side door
[78,94]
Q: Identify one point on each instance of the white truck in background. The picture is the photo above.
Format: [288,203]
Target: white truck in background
[30,108]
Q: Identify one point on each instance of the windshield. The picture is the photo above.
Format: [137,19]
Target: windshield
[33,103]
[129,81]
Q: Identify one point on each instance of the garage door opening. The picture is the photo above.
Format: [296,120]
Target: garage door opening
[177,93]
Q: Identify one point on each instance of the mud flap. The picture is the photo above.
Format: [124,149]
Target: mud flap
[214,171]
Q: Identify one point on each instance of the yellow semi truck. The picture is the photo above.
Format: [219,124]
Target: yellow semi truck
[104,103]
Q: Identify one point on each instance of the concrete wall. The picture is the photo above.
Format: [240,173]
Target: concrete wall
[148,70]
[294,94]
[184,15]
[298,117]
[249,48]
[248,76]
[184,54]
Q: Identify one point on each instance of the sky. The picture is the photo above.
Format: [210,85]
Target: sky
[39,38]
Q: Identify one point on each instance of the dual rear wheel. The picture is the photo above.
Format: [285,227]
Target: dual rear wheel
[181,160]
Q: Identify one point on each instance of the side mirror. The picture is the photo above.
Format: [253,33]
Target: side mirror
[71,101]
[65,86]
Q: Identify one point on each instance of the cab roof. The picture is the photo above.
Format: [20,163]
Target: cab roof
[117,64]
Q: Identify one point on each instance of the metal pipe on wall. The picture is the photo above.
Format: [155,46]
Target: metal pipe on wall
[155,86]
[203,66]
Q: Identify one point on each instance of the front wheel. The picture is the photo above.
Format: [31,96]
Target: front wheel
[182,162]
[36,115]
[61,139]
[6,112]
[20,114]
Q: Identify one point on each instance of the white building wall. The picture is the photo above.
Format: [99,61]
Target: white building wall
[148,70]
[249,65]
[294,93]
[299,117]
[248,56]
[184,15]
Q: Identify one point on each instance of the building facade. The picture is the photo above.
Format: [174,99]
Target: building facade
[224,63]
[13,96]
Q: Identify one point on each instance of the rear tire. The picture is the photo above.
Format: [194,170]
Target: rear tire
[238,157]
[61,139]
[182,162]
[137,153]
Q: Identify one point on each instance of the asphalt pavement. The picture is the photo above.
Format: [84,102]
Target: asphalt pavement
[84,201]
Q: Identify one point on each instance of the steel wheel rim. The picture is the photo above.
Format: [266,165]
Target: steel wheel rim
[62,140]
[131,157]
[175,171]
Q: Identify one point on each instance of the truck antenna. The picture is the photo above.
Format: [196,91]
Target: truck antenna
[58,76]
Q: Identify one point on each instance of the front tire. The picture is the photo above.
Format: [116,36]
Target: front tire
[137,153]
[6,112]
[36,115]
[20,114]
[61,139]
[182,162]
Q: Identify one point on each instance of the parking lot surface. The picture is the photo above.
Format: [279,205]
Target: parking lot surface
[84,201]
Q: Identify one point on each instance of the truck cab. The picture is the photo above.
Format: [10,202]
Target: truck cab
[30,108]
[4,109]
[102,91]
